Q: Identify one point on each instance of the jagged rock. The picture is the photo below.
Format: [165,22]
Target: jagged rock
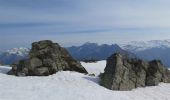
[46,58]
[122,73]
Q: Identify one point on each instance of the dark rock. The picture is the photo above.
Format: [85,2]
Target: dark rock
[122,73]
[46,58]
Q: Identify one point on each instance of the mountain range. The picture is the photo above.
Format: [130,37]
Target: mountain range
[13,55]
[149,50]
[86,51]
[95,51]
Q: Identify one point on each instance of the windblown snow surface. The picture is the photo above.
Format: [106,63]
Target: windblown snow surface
[72,86]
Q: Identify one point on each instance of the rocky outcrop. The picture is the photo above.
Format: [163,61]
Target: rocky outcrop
[123,73]
[46,58]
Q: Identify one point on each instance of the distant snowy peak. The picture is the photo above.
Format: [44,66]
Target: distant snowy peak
[141,45]
[19,51]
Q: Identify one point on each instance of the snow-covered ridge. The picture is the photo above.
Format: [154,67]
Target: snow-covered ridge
[67,85]
[19,51]
[143,45]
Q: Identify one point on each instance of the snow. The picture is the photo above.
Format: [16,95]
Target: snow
[18,51]
[72,86]
[143,45]
[95,68]
[4,69]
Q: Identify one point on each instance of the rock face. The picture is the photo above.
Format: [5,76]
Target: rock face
[123,73]
[46,58]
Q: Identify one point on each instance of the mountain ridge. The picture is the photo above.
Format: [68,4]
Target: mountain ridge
[147,50]
[95,51]
[86,51]
[13,55]
[143,45]
[150,50]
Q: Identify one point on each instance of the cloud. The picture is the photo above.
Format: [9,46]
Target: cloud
[73,21]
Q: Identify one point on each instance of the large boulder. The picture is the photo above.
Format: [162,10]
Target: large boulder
[122,73]
[46,58]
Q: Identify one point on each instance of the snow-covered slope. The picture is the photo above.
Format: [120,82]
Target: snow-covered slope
[72,86]
[95,68]
[143,45]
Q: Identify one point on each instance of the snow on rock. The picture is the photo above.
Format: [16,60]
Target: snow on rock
[72,86]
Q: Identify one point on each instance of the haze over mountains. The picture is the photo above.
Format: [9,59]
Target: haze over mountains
[149,50]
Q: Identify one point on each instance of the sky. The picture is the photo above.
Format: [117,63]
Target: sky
[74,22]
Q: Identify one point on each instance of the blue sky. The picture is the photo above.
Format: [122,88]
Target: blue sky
[73,22]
